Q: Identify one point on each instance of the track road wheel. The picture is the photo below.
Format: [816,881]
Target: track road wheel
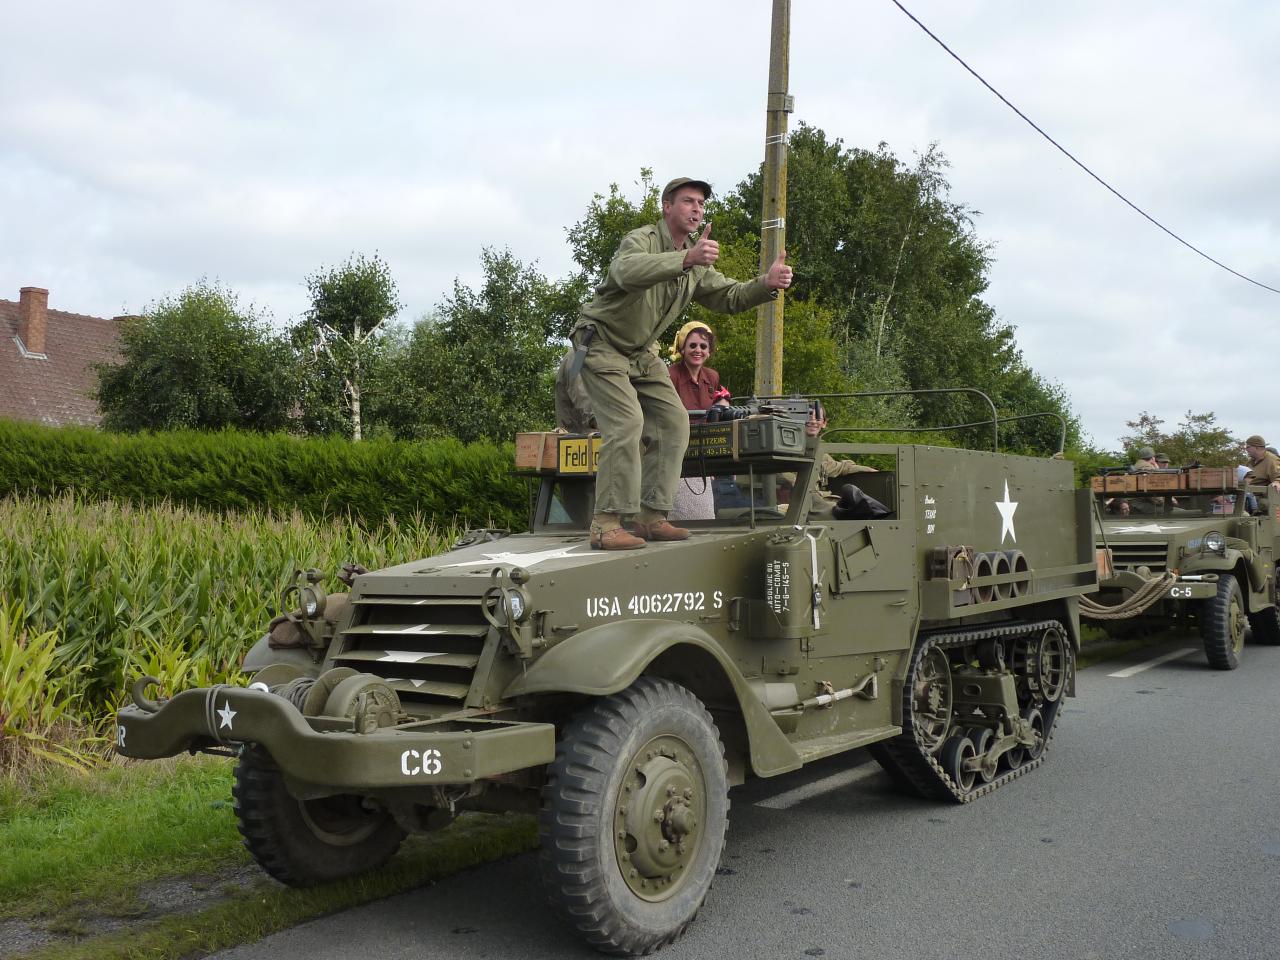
[1222,624]
[955,752]
[1035,720]
[634,814]
[982,737]
[303,842]
[1266,626]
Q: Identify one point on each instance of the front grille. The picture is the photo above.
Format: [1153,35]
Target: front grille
[1129,555]
[426,648]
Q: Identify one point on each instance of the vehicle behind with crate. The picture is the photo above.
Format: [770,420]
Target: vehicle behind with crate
[1187,548]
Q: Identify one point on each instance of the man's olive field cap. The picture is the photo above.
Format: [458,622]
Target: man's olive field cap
[679,182]
[1146,453]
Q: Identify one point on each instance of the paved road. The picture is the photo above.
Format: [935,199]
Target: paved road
[1153,830]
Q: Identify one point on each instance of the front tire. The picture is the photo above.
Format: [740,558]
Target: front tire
[304,842]
[1222,625]
[634,815]
[1266,627]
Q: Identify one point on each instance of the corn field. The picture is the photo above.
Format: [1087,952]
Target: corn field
[94,594]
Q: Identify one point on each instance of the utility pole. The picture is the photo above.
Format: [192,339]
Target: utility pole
[773,216]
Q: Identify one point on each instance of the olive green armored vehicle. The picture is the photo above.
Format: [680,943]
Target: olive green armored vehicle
[1188,548]
[929,613]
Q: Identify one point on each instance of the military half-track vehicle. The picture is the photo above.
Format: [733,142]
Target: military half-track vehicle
[621,694]
[1187,548]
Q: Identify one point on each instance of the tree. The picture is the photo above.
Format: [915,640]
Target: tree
[1199,438]
[483,366]
[341,335]
[198,361]
[900,266]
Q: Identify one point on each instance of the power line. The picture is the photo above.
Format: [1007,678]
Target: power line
[1067,153]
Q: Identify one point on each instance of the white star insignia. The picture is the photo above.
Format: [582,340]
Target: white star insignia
[226,713]
[1150,528]
[518,559]
[1006,508]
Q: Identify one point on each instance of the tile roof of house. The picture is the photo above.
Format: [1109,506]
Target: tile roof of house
[58,390]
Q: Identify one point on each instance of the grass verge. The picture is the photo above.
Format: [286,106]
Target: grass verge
[88,848]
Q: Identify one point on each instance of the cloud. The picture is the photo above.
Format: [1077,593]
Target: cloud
[149,144]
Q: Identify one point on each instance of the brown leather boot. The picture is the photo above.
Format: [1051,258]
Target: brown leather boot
[616,538]
[661,529]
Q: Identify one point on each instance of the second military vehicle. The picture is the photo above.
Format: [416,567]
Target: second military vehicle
[1188,548]
[930,613]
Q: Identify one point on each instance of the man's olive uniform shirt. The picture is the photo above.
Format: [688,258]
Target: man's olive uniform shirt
[647,289]
[1264,470]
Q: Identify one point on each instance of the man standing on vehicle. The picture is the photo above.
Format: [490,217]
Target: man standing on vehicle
[644,428]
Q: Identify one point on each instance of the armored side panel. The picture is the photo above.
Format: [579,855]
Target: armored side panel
[988,532]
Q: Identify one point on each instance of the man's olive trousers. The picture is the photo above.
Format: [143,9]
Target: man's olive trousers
[644,429]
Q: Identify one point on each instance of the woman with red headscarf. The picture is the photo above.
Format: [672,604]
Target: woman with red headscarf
[699,388]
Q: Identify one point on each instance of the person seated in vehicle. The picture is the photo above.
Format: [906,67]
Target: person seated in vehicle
[1146,461]
[1118,506]
[1162,461]
[1264,467]
[834,497]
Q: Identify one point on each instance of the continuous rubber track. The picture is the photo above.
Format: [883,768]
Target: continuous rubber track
[905,757]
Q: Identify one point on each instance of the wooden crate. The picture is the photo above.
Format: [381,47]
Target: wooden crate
[1115,483]
[536,451]
[1215,478]
[1210,478]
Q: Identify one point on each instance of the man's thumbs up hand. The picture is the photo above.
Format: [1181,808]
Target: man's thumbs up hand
[703,253]
[779,275]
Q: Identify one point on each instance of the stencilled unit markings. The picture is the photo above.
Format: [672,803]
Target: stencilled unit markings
[644,604]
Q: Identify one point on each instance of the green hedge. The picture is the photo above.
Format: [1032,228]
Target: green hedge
[374,480]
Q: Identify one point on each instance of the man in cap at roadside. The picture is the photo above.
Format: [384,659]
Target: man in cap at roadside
[1264,467]
[656,273]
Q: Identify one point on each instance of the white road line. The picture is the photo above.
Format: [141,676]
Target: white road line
[1164,658]
[810,790]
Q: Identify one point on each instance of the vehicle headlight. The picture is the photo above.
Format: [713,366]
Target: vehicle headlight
[516,604]
[1215,542]
[312,602]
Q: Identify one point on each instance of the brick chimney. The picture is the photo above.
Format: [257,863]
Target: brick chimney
[33,310]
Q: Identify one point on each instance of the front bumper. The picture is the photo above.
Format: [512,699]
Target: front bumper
[326,750]
[1202,587]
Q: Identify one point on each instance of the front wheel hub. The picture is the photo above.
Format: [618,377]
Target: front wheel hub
[660,809]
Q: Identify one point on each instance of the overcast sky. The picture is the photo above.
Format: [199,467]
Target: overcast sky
[145,145]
